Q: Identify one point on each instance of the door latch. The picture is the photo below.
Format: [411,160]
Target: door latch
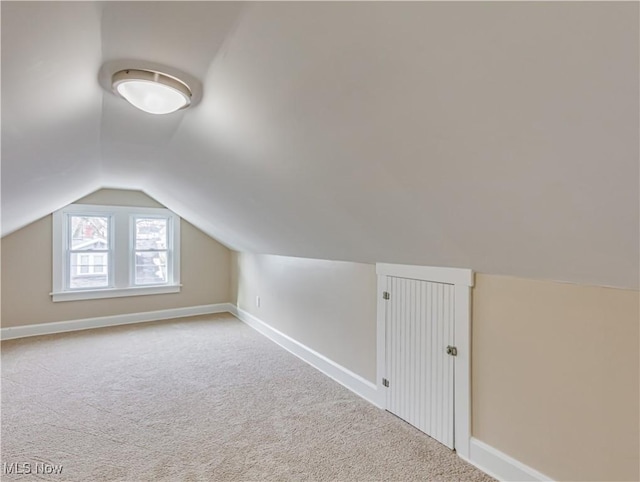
[452,350]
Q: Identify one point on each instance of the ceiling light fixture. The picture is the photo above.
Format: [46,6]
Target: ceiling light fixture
[151,91]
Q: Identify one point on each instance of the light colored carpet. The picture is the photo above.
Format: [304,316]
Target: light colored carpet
[203,398]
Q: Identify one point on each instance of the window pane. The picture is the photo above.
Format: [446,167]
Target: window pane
[98,264]
[88,271]
[84,264]
[151,233]
[89,232]
[151,267]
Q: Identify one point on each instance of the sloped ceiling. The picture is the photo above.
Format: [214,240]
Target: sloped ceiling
[497,136]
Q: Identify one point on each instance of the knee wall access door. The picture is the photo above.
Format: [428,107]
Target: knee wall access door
[420,349]
[423,363]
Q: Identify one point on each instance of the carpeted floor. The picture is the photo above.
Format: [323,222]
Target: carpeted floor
[203,398]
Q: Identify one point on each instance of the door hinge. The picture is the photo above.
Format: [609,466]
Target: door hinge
[386,295]
[452,350]
[385,382]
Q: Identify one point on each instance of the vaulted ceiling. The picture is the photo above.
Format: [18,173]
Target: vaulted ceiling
[500,136]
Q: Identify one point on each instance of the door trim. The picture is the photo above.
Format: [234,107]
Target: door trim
[462,279]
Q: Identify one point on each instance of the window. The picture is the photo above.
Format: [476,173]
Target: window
[112,251]
[150,251]
[87,236]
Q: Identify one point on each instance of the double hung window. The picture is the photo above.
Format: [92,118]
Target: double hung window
[112,251]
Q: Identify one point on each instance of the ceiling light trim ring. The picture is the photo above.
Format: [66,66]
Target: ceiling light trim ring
[152,77]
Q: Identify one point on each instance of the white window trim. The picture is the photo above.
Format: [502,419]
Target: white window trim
[122,276]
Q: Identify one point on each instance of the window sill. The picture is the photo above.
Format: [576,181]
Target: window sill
[114,292]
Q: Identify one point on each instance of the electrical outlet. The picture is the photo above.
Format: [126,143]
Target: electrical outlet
[258,301]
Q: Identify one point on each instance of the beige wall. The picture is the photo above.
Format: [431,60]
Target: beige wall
[555,376]
[27,265]
[329,306]
[120,197]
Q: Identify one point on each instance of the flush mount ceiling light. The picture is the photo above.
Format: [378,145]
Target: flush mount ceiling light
[151,91]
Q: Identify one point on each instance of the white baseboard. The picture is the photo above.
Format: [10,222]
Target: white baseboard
[104,321]
[340,374]
[499,465]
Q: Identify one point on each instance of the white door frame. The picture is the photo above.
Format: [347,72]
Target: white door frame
[462,279]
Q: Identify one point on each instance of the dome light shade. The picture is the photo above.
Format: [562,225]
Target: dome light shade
[150,91]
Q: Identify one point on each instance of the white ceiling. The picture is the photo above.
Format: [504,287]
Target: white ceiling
[500,136]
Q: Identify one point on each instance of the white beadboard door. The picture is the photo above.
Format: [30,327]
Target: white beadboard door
[419,327]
